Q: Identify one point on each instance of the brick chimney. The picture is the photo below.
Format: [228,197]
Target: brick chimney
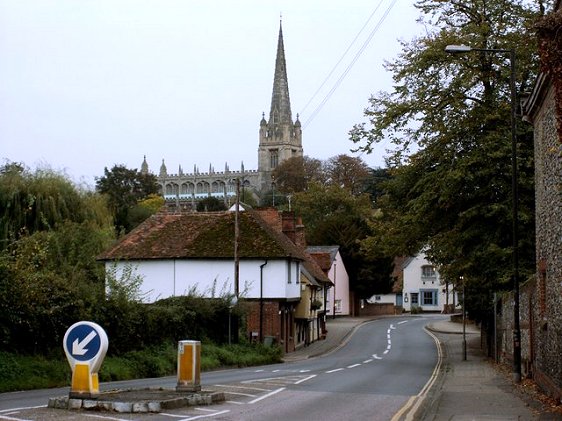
[293,228]
[271,217]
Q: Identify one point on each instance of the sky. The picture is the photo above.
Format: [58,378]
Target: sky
[86,84]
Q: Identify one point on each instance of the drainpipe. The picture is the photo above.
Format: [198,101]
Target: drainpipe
[261,300]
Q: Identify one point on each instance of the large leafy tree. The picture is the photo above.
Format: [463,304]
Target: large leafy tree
[333,216]
[449,119]
[124,188]
[49,278]
[35,201]
[294,174]
[348,172]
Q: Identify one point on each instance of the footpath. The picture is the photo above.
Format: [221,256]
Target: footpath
[475,389]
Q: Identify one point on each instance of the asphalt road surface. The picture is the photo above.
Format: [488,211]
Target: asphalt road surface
[373,377]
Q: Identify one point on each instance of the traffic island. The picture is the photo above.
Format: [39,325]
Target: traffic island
[138,400]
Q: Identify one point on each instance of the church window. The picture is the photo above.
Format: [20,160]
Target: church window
[273,158]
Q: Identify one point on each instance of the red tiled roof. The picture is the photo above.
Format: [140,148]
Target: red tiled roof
[312,267]
[323,260]
[202,236]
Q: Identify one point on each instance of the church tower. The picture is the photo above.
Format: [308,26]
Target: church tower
[280,138]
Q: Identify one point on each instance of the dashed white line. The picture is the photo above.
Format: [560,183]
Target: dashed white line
[376,357]
[368,361]
[385,351]
[333,371]
[402,322]
[353,365]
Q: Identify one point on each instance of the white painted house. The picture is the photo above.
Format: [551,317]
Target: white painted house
[423,286]
[179,253]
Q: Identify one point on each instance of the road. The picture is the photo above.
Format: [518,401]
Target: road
[383,365]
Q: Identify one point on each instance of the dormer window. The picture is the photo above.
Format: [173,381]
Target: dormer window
[428,273]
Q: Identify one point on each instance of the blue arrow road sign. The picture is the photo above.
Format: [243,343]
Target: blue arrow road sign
[83,342]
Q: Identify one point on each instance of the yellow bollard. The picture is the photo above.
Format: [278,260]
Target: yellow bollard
[82,384]
[189,366]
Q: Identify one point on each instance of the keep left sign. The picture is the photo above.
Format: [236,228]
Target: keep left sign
[85,343]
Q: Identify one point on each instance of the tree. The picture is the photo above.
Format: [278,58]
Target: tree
[333,216]
[453,195]
[49,276]
[294,174]
[125,188]
[31,202]
[348,172]
[210,204]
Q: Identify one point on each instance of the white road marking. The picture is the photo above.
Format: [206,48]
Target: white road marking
[304,371]
[197,417]
[376,357]
[368,361]
[242,387]
[22,408]
[241,394]
[402,322]
[392,327]
[267,395]
[305,379]
[353,365]
[333,371]
[103,417]
[385,351]
[4,417]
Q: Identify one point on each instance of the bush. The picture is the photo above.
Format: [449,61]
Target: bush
[416,309]
[19,372]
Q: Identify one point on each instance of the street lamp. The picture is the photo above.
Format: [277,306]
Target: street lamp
[515,235]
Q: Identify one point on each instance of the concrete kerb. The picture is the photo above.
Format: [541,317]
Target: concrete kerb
[138,400]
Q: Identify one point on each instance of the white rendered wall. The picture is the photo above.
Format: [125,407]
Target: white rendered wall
[413,282]
[168,278]
[338,275]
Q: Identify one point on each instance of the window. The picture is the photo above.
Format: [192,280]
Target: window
[429,297]
[428,271]
[273,158]
[338,306]
[414,297]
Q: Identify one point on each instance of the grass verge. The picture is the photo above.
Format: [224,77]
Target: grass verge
[23,372]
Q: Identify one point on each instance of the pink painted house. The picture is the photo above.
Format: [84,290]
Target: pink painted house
[338,300]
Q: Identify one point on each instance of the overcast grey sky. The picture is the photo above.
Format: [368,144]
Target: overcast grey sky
[86,84]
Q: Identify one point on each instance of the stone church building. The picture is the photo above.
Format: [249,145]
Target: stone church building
[279,139]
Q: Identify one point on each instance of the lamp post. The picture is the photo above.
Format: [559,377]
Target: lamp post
[463,318]
[515,234]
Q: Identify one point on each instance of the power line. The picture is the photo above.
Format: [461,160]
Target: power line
[349,67]
[341,58]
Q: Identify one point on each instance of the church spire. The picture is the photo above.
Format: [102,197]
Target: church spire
[280,103]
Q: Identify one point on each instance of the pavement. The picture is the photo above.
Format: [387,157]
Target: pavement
[462,390]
